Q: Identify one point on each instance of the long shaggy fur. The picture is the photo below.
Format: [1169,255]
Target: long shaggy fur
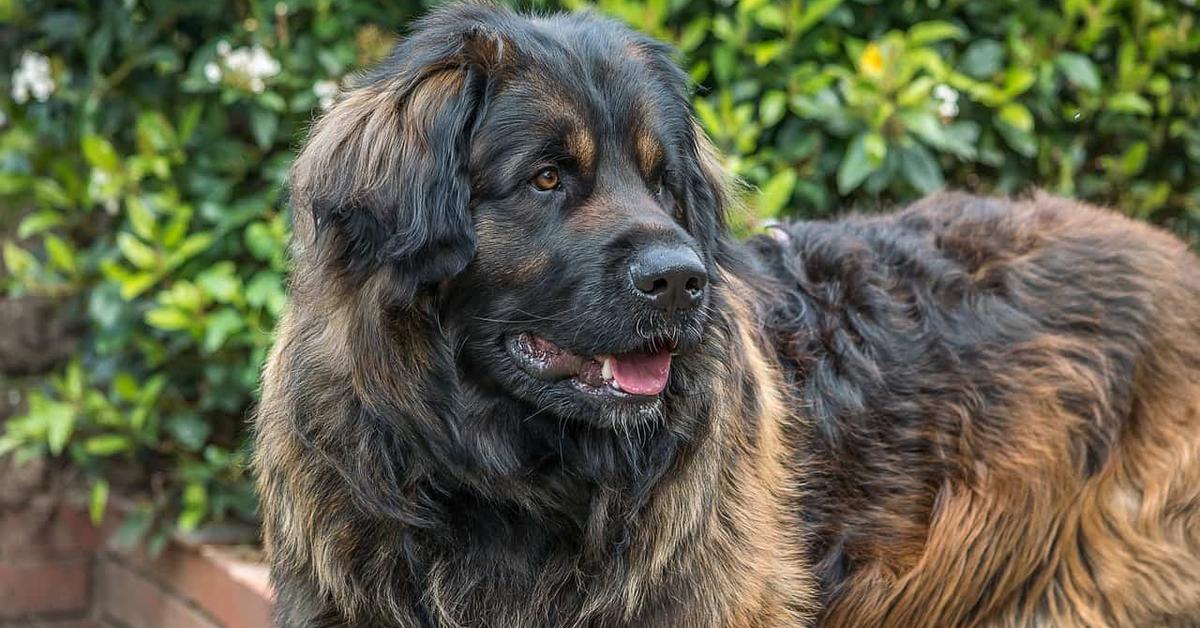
[969,412]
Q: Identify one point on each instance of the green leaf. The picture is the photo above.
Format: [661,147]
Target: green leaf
[1018,116]
[73,381]
[50,193]
[190,119]
[261,242]
[141,218]
[189,248]
[59,419]
[263,124]
[266,290]
[151,391]
[125,386]
[708,115]
[814,12]
[220,326]
[916,93]
[17,260]
[1079,70]
[957,138]
[863,156]
[137,252]
[724,60]
[107,445]
[11,183]
[776,193]
[772,107]
[1017,80]
[272,101]
[98,501]
[154,132]
[770,17]
[220,283]
[134,284]
[1021,141]
[39,222]
[195,506]
[60,254]
[1134,159]
[189,430]
[693,34]
[100,153]
[768,51]
[935,31]
[921,168]
[982,59]
[169,319]
[1130,103]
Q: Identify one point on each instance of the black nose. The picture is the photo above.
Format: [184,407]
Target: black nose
[670,277]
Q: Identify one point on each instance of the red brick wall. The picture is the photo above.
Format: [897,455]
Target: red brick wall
[46,559]
[57,572]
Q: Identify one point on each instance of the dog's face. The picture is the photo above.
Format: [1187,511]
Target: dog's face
[545,178]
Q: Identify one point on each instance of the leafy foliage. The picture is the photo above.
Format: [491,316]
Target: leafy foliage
[144,145]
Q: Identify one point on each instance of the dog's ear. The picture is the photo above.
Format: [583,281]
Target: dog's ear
[384,177]
[709,189]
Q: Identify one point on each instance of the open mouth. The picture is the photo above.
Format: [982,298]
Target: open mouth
[635,375]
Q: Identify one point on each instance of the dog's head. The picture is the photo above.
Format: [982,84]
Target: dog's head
[542,183]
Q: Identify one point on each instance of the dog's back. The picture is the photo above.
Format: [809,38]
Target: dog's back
[1005,409]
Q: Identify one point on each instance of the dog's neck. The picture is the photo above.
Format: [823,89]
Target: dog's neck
[632,507]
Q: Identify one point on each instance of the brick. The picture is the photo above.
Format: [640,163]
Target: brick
[129,598]
[48,531]
[55,623]
[34,587]
[234,591]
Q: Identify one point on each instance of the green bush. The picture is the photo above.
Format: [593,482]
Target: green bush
[144,146]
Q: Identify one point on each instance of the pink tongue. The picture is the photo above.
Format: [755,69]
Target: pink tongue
[642,373]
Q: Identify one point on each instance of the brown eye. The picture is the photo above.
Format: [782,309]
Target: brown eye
[546,180]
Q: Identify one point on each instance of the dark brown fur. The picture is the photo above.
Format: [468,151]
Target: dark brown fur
[970,412]
[1020,445]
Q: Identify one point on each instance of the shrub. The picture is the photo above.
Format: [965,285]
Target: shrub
[144,146]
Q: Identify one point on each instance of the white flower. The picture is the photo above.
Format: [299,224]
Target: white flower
[212,72]
[325,91]
[32,78]
[947,100]
[254,62]
[254,65]
[223,48]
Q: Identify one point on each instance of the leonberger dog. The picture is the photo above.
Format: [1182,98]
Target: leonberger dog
[527,378]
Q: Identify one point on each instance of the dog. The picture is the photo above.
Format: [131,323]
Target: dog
[527,378]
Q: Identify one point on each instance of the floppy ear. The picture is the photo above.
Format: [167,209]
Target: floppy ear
[709,190]
[384,177]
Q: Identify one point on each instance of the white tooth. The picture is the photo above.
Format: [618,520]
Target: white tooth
[606,370]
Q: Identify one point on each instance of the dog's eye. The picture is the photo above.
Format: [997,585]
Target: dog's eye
[546,180]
